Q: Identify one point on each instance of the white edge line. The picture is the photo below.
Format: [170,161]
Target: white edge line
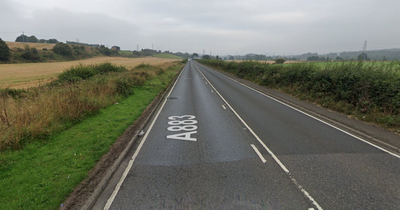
[268,150]
[258,153]
[315,118]
[128,168]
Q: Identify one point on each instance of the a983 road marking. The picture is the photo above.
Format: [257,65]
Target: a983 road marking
[185,125]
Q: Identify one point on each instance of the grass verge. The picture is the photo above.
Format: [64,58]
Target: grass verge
[45,172]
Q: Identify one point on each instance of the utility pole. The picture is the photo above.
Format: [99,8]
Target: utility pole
[364,55]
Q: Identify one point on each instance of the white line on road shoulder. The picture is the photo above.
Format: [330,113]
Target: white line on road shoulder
[128,168]
[258,153]
[301,188]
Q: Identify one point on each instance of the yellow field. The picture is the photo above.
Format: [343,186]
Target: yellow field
[27,75]
[38,46]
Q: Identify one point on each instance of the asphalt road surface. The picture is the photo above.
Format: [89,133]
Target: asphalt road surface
[217,144]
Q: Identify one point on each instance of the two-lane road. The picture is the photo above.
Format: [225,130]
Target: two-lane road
[216,144]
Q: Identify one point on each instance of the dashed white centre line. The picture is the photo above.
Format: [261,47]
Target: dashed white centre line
[258,153]
[283,167]
[223,106]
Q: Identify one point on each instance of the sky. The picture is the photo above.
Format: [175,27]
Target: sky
[219,27]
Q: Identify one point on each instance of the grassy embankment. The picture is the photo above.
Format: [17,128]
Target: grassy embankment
[369,91]
[51,136]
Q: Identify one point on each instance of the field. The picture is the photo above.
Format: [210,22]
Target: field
[27,75]
[166,55]
[38,46]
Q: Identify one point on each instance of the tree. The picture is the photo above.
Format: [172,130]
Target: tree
[105,50]
[231,58]
[33,39]
[22,38]
[4,51]
[54,41]
[363,56]
[195,55]
[62,49]
[280,61]
[206,57]
[217,57]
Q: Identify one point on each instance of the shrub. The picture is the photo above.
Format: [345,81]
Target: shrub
[76,73]
[81,72]
[62,49]
[280,61]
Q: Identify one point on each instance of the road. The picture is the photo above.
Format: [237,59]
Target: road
[217,144]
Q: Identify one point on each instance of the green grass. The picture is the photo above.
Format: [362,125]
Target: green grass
[166,55]
[125,52]
[44,173]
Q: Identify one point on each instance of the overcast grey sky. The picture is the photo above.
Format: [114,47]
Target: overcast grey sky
[222,26]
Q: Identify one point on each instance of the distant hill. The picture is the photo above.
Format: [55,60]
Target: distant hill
[384,54]
[388,54]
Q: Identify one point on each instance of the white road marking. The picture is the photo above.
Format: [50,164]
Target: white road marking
[212,91]
[258,153]
[283,167]
[223,106]
[315,118]
[128,168]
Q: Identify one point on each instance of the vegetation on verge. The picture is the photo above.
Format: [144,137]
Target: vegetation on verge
[48,166]
[369,91]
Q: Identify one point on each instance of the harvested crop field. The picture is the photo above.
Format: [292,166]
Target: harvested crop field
[38,46]
[27,75]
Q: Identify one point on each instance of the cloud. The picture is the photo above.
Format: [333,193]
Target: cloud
[223,26]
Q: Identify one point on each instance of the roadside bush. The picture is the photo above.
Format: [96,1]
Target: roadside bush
[76,73]
[81,72]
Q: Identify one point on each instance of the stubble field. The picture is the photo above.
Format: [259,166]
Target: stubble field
[20,76]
